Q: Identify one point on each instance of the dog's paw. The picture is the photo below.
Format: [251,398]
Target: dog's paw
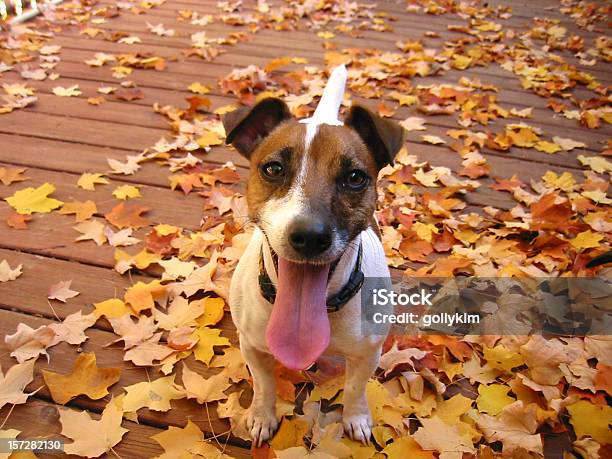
[358,426]
[261,424]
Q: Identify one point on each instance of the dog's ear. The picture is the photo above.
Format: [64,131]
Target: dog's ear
[246,127]
[384,138]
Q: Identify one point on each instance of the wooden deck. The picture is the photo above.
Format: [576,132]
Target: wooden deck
[59,138]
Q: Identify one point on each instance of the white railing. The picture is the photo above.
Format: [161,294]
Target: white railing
[13,11]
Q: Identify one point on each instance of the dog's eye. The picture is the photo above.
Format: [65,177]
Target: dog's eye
[273,170]
[356,180]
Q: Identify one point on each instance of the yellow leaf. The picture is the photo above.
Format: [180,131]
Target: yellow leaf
[88,181]
[326,35]
[547,147]
[71,91]
[111,309]
[141,296]
[208,338]
[493,398]
[501,358]
[290,434]
[209,138]
[166,230]
[591,421]
[406,447]
[224,109]
[213,311]
[586,240]
[82,210]
[564,182]
[202,389]
[155,395]
[84,379]
[568,144]
[597,196]
[425,231]
[78,426]
[198,88]
[403,99]
[597,163]
[30,200]
[185,443]
[433,139]
[461,62]
[126,192]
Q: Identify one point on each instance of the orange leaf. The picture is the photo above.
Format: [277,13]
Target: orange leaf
[124,215]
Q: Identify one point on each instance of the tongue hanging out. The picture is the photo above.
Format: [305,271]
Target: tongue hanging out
[298,330]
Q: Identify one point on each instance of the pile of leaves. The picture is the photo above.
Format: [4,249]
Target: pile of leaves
[433,396]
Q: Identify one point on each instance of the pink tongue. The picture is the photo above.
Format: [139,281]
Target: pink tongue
[298,330]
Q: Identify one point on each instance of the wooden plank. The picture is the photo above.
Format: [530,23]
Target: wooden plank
[62,357]
[137,443]
[166,206]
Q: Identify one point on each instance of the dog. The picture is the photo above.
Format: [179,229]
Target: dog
[311,194]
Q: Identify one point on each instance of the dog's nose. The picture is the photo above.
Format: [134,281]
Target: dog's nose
[310,237]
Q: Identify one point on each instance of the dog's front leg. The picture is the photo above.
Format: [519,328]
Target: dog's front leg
[261,419]
[356,414]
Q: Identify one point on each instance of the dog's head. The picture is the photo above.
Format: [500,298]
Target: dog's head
[311,189]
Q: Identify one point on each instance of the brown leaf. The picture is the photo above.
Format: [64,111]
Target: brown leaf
[127,215]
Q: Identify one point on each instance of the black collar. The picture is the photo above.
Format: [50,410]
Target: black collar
[334,302]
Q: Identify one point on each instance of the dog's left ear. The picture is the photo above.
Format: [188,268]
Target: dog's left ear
[384,138]
[246,127]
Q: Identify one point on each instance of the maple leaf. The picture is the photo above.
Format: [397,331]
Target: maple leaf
[587,240]
[123,215]
[126,192]
[18,221]
[71,91]
[129,167]
[493,398]
[568,144]
[121,238]
[79,426]
[186,442]
[111,309]
[413,123]
[82,210]
[213,310]
[146,353]
[155,395]
[181,313]
[61,291]
[597,163]
[394,357]
[175,268]
[208,338]
[129,94]
[547,147]
[88,181]
[141,296]
[406,447]
[27,343]
[198,88]
[84,379]
[591,420]
[7,273]
[439,436]
[233,364]
[72,329]
[132,333]
[91,230]
[202,389]
[30,200]
[515,427]
[10,175]
[13,383]
[433,139]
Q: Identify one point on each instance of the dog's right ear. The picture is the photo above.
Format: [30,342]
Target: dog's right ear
[246,127]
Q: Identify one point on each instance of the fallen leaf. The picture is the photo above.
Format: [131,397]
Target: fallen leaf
[91,230]
[208,338]
[30,200]
[155,395]
[14,382]
[84,379]
[124,215]
[204,389]
[61,291]
[7,273]
[493,398]
[10,175]
[88,181]
[82,210]
[78,426]
[71,91]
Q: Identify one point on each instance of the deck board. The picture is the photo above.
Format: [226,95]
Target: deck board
[58,139]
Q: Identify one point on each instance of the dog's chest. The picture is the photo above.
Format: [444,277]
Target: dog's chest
[250,311]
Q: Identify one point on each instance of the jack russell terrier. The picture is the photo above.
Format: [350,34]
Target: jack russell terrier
[311,193]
